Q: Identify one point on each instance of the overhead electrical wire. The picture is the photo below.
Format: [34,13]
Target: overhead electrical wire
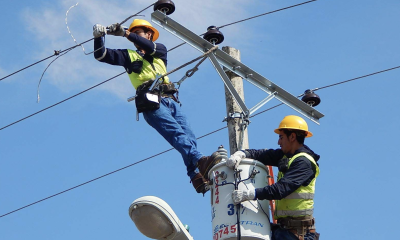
[68,49]
[160,153]
[56,53]
[278,10]
[172,71]
[44,109]
[316,89]
[246,19]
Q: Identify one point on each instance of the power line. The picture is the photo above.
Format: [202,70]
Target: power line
[190,62]
[278,10]
[102,176]
[367,75]
[107,174]
[69,189]
[331,85]
[44,109]
[56,53]
[82,184]
[80,44]
[160,153]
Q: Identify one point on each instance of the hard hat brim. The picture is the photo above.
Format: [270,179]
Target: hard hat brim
[309,134]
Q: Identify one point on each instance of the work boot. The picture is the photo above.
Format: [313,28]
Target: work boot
[200,184]
[205,163]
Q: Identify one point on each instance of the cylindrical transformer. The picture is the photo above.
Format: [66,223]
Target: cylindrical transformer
[254,215]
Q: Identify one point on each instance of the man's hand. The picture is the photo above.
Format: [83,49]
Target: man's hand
[99,30]
[234,160]
[116,30]
[239,196]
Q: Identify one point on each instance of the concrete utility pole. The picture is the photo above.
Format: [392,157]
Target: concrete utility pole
[232,107]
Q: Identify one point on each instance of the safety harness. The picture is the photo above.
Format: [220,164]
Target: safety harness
[149,93]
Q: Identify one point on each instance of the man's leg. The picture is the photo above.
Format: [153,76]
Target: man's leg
[311,236]
[165,123]
[204,163]
[279,233]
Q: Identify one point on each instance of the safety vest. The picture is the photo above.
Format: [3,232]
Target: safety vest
[148,72]
[301,202]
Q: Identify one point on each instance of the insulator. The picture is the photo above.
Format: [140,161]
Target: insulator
[311,98]
[213,35]
[165,6]
[223,152]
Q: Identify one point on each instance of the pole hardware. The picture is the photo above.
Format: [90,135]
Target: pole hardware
[219,58]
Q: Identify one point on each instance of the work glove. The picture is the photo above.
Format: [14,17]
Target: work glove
[99,30]
[239,196]
[116,30]
[234,160]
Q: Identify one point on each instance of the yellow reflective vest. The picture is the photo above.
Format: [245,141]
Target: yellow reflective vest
[148,72]
[301,202]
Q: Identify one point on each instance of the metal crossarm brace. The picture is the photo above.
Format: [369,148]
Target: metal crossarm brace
[229,84]
[219,57]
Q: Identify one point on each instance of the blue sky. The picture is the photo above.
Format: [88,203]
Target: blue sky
[310,46]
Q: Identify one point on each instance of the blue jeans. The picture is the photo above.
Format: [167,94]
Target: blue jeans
[171,123]
[279,233]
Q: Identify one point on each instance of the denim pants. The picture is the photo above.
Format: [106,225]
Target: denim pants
[279,233]
[171,123]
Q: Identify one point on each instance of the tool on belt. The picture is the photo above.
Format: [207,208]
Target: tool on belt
[148,95]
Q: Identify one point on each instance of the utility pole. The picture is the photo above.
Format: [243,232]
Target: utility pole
[234,123]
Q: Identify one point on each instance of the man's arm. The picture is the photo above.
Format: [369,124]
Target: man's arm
[119,57]
[299,173]
[154,49]
[266,156]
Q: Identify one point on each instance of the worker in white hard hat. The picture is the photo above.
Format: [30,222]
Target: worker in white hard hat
[161,108]
[294,191]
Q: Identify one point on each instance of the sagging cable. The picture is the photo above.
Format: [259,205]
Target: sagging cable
[78,44]
[41,77]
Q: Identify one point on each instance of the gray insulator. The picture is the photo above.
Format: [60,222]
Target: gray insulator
[223,152]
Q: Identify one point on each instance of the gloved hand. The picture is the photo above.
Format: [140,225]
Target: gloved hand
[99,30]
[239,196]
[234,160]
[116,30]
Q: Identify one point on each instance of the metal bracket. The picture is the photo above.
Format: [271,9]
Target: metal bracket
[263,102]
[228,84]
[232,115]
[219,58]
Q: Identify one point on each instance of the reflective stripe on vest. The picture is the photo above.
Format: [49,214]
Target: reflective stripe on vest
[147,72]
[296,195]
[300,202]
[295,212]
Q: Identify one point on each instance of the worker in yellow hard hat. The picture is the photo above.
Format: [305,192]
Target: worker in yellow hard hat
[295,187]
[160,107]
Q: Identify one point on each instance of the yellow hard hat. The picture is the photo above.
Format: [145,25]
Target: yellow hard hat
[295,123]
[146,24]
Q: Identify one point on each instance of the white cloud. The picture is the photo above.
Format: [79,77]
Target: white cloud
[76,71]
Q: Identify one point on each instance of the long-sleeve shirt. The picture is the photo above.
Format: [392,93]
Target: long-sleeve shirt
[300,172]
[121,57]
